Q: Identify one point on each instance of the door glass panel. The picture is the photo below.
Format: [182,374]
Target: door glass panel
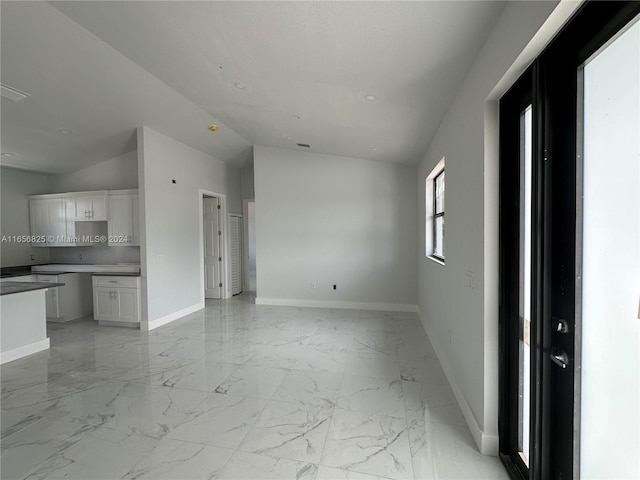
[609,257]
[524,393]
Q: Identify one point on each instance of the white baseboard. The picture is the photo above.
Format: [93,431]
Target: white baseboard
[383,307]
[23,351]
[487,443]
[158,322]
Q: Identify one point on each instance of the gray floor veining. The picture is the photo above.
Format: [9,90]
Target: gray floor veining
[238,391]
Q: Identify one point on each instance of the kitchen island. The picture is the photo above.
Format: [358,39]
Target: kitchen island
[23,321]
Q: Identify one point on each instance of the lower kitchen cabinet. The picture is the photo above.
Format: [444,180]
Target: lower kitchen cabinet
[69,302]
[116,300]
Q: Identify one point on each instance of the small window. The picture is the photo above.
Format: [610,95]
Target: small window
[434,213]
[438,216]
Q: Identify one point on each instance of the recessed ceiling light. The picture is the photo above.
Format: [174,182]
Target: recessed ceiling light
[64,131]
[305,145]
[239,86]
[370,97]
[213,128]
[373,149]
[8,154]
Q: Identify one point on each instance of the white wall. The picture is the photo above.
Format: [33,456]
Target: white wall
[460,299]
[117,173]
[333,220]
[248,189]
[15,186]
[99,255]
[610,416]
[171,221]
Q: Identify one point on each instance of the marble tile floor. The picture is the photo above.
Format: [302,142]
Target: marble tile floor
[238,391]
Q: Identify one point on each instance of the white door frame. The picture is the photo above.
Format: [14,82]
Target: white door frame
[245,242]
[224,269]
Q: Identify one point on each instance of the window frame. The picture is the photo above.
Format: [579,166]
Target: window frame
[437,214]
[429,213]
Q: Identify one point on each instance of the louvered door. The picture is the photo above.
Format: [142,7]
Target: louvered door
[235,240]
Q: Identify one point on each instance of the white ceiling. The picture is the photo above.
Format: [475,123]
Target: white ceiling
[100,69]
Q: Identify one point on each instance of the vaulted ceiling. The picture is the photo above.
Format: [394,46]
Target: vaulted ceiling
[369,80]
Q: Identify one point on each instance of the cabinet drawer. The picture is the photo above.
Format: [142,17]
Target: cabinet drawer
[47,278]
[115,281]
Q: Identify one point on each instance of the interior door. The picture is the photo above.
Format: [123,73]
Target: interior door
[212,247]
[235,251]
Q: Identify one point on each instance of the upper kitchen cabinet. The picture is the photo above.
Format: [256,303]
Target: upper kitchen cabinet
[89,206]
[124,220]
[51,221]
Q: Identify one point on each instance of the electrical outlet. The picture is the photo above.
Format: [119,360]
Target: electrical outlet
[313,285]
[160,258]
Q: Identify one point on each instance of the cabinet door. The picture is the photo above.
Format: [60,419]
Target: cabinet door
[103,303]
[57,217]
[99,207]
[89,207]
[50,219]
[82,207]
[53,304]
[56,221]
[70,223]
[52,296]
[38,219]
[126,305]
[120,220]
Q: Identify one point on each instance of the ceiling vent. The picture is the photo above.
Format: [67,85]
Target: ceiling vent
[12,94]
[304,145]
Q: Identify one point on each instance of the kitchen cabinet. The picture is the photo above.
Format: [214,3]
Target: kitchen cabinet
[89,206]
[51,221]
[116,300]
[71,301]
[124,220]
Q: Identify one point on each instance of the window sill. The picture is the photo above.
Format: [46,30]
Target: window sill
[438,260]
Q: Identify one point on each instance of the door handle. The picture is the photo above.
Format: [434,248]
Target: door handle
[560,358]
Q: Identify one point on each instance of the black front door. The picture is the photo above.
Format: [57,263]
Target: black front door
[540,250]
